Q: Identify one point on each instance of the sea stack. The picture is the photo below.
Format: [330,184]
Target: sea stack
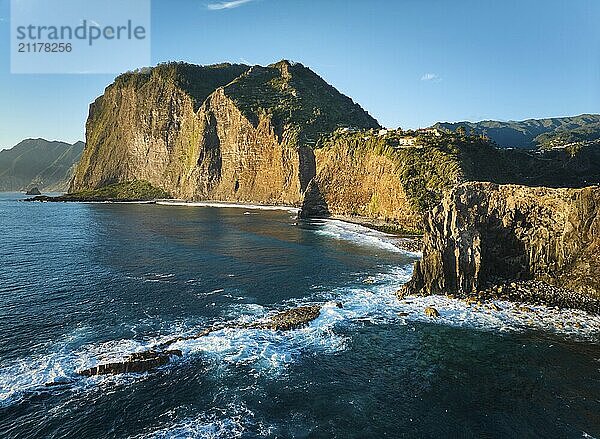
[484,234]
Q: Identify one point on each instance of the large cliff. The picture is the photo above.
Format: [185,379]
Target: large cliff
[371,174]
[483,233]
[363,174]
[281,135]
[223,132]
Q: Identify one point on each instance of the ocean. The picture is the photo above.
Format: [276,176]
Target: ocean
[84,284]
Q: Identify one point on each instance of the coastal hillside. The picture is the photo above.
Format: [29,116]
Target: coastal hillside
[395,176]
[533,133]
[224,132]
[38,163]
[281,135]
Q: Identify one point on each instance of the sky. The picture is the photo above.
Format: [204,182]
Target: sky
[409,63]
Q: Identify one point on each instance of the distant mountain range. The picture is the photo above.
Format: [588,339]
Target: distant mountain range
[38,163]
[533,133]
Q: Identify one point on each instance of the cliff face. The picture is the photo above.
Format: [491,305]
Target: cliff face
[355,178]
[375,175]
[483,233]
[225,132]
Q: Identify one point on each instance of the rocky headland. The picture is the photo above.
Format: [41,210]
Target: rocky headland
[224,132]
[532,244]
[133,191]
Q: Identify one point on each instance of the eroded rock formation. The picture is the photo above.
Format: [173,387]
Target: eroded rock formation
[483,233]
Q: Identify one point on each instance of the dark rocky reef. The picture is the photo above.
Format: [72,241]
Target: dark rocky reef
[295,318]
[145,361]
[542,244]
[135,363]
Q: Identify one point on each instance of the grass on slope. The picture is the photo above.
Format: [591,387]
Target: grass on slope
[130,191]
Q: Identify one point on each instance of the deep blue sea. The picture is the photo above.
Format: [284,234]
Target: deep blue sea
[82,284]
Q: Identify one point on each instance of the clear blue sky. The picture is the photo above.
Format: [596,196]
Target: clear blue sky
[410,63]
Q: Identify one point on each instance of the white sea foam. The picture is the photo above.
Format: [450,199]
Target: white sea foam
[358,234]
[230,422]
[268,353]
[30,375]
[377,303]
[227,205]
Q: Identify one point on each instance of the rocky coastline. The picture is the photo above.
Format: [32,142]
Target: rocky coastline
[533,245]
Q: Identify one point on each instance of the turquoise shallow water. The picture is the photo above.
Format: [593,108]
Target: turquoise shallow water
[87,283]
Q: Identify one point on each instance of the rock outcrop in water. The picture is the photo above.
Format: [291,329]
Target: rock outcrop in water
[119,192]
[139,362]
[483,233]
[33,191]
[135,363]
[224,132]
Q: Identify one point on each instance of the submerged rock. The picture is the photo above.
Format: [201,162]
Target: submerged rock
[401,294]
[58,381]
[135,363]
[494,307]
[431,312]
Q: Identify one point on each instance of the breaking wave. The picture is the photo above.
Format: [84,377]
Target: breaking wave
[359,235]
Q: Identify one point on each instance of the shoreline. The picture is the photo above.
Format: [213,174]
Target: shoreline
[525,292]
[226,205]
[514,291]
[521,292]
[401,238]
[404,239]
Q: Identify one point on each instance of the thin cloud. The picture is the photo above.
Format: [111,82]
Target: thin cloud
[432,77]
[227,5]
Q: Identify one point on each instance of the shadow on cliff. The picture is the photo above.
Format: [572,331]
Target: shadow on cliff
[465,261]
[314,204]
[503,254]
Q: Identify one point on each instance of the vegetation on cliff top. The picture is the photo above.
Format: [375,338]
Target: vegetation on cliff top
[130,191]
[438,162]
[301,105]
[197,81]
[424,170]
